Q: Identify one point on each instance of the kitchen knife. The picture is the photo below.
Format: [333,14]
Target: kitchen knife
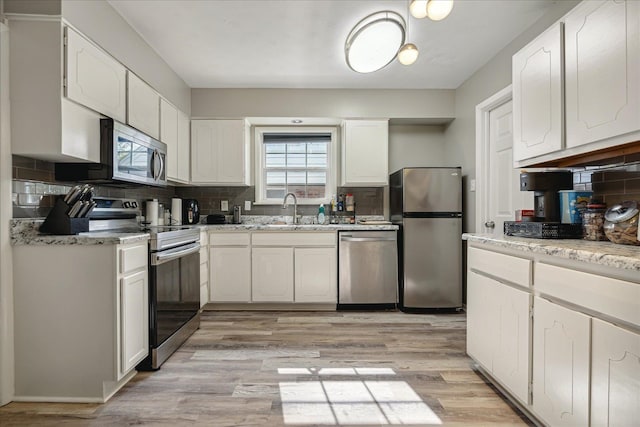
[75,209]
[71,196]
[86,205]
[92,205]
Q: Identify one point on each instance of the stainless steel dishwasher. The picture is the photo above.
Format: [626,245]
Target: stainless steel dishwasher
[368,269]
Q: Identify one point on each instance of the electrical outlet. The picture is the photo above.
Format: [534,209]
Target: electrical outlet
[224,205]
[472,185]
[247,205]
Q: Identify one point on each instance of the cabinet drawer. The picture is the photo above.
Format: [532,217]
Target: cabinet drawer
[510,268]
[613,297]
[133,258]
[293,239]
[229,239]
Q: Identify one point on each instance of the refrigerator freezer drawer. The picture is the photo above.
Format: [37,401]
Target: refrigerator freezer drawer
[432,263]
[368,265]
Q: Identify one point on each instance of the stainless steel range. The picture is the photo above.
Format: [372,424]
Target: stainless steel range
[174,276]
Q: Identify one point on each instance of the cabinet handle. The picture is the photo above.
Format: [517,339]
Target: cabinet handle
[490,224]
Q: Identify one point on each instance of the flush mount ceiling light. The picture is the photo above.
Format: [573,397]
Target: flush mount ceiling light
[374,42]
[436,10]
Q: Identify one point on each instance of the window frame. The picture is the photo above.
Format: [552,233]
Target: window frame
[332,162]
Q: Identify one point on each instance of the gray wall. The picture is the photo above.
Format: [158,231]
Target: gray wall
[342,103]
[492,77]
[412,145]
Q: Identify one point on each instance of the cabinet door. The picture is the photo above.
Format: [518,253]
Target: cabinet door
[143,106]
[511,358]
[560,364]
[93,78]
[184,148]
[169,135]
[218,152]
[365,153]
[537,96]
[615,376]
[272,275]
[602,70]
[315,275]
[482,318]
[134,320]
[230,274]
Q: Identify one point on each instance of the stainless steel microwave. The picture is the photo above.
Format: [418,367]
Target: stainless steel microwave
[127,157]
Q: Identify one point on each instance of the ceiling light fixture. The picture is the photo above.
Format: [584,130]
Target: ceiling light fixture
[408,53]
[374,41]
[436,10]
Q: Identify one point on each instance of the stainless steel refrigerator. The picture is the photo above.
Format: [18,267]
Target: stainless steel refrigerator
[427,205]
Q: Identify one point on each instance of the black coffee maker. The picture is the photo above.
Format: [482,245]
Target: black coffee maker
[545,185]
[190,211]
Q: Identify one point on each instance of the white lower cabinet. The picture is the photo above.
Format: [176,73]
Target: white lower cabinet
[134,315]
[273,267]
[272,274]
[229,267]
[561,348]
[315,275]
[615,375]
[204,268]
[81,320]
[498,331]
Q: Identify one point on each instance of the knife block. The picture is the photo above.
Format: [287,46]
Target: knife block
[59,222]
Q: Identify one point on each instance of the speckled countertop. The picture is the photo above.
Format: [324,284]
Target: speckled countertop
[603,253]
[25,231]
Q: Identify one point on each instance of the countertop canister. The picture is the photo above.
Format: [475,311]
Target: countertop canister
[151,212]
[176,211]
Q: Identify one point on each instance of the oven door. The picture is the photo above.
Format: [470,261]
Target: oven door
[174,291]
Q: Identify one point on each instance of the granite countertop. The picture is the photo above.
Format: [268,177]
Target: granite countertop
[603,253]
[25,232]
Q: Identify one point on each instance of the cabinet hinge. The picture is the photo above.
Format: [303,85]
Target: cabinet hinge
[64,81]
[64,39]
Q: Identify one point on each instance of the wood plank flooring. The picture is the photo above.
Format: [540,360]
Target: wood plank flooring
[301,368]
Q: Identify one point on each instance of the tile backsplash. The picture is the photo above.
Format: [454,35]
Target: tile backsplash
[35,190]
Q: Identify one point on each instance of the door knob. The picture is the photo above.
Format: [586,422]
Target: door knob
[490,224]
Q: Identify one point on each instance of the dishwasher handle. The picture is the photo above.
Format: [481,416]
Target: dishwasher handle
[350,238]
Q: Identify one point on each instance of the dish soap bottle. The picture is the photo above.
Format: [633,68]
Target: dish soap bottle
[321,214]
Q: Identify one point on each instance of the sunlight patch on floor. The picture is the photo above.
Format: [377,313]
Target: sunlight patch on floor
[352,402]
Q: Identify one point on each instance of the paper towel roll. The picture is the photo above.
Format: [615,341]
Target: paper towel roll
[152,212]
[176,211]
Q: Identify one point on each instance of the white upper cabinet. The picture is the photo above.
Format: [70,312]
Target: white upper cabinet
[365,153]
[578,92]
[219,152]
[169,135]
[602,69]
[93,78]
[537,96]
[184,148]
[143,106]
[45,124]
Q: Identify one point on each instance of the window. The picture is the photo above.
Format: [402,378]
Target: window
[295,160]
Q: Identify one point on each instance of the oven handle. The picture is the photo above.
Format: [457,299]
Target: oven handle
[169,255]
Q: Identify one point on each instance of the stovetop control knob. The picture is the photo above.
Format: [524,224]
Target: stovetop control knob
[126,205]
[134,204]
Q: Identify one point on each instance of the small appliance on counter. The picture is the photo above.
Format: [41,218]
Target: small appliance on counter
[545,186]
[237,214]
[216,219]
[190,211]
[546,201]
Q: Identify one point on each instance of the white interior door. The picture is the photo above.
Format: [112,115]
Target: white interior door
[499,194]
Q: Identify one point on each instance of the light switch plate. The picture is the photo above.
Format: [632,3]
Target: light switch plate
[472,185]
[247,205]
[224,205]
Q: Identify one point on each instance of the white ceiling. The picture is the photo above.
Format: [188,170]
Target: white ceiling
[300,43]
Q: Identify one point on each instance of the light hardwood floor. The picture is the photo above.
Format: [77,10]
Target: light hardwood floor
[301,368]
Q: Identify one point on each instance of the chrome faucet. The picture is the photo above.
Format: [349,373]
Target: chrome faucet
[295,206]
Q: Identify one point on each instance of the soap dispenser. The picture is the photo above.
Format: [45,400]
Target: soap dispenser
[321,214]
